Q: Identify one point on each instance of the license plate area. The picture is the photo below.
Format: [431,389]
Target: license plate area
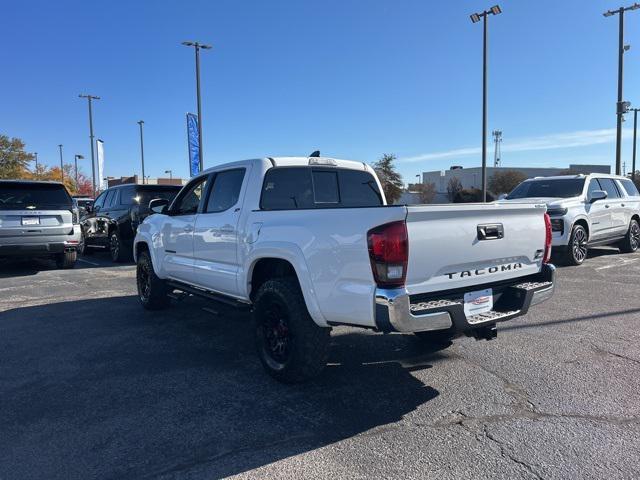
[28,221]
[479,301]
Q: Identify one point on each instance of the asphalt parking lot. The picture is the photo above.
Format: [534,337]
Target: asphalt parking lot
[92,386]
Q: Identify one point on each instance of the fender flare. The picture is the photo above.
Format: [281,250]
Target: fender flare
[291,253]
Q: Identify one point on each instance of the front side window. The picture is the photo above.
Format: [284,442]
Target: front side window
[127,194]
[630,188]
[593,186]
[225,191]
[100,200]
[187,203]
[609,186]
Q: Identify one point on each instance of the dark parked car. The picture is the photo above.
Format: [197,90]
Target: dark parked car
[112,221]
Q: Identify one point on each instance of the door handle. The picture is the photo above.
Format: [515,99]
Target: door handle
[188,229]
[606,206]
[622,204]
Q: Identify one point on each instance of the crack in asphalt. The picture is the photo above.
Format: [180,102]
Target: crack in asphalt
[507,455]
[604,351]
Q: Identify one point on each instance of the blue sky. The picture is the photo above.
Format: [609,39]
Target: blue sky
[353,78]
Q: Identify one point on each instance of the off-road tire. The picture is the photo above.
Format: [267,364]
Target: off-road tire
[631,240]
[306,349]
[577,250]
[66,260]
[152,290]
[117,249]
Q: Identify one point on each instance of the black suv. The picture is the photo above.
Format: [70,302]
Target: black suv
[112,221]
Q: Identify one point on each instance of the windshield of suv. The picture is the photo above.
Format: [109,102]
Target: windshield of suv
[549,188]
[20,196]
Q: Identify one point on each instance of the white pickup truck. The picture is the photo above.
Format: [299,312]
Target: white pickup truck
[308,243]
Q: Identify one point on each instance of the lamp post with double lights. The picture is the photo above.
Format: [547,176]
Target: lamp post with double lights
[90,98]
[170,172]
[475,18]
[197,46]
[620,109]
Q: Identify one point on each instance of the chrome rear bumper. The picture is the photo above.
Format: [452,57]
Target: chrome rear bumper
[395,310]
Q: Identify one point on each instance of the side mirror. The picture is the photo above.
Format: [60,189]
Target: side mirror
[597,195]
[502,196]
[87,209]
[159,205]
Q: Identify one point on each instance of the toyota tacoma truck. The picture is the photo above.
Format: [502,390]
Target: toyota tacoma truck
[309,243]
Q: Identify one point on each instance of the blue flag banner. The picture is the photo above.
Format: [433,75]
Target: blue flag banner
[194,144]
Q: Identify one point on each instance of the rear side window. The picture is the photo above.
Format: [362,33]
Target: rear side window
[609,186]
[289,188]
[630,188]
[225,191]
[21,196]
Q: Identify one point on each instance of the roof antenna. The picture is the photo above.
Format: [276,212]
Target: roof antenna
[315,154]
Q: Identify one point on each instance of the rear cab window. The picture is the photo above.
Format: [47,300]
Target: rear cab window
[290,188]
[41,196]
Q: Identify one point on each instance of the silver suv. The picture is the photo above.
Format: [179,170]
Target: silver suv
[585,211]
[38,219]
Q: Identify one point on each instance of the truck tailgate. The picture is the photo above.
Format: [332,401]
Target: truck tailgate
[463,245]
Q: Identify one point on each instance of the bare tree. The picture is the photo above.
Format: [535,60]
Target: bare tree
[453,187]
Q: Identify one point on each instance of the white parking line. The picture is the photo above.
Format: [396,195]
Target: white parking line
[90,263]
[622,262]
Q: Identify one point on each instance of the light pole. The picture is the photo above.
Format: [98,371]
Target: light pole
[76,158]
[141,123]
[36,155]
[475,18]
[170,172]
[620,107]
[635,133]
[61,165]
[93,163]
[197,46]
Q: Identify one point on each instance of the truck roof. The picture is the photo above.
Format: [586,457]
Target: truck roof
[296,162]
[580,175]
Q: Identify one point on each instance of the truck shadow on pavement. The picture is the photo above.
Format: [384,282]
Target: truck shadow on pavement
[102,389]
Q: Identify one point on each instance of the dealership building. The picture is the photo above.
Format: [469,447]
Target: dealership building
[472,177]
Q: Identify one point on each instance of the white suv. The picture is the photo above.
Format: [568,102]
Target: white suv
[585,211]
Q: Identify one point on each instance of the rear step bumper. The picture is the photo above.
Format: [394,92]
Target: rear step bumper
[396,311]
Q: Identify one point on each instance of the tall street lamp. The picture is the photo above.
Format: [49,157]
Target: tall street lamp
[635,133]
[76,158]
[61,165]
[170,172]
[475,18]
[141,123]
[93,163]
[620,108]
[36,155]
[197,46]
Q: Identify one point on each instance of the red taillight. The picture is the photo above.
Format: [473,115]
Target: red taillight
[389,252]
[547,239]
